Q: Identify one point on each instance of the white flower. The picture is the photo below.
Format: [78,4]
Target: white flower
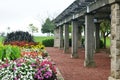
[22,76]
[31,78]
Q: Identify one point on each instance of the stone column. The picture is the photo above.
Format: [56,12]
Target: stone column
[66,38]
[115,42]
[79,36]
[97,38]
[74,39]
[89,41]
[61,37]
[56,37]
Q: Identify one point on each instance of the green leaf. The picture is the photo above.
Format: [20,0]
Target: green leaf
[15,52]
[8,51]
[1,52]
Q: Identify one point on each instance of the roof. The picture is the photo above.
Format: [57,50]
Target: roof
[75,7]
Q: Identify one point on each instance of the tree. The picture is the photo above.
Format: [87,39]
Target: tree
[105,30]
[48,26]
[2,34]
[33,28]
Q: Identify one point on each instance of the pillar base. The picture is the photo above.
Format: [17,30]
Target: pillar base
[111,78]
[74,56]
[89,64]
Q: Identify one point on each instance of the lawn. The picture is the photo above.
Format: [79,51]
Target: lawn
[107,42]
[41,38]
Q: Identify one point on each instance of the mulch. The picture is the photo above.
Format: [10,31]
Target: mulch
[73,69]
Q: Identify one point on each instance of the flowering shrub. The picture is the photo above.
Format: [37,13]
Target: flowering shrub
[30,54]
[27,68]
[34,54]
[34,50]
[29,49]
[38,47]
[25,61]
[20,43]
[46,71]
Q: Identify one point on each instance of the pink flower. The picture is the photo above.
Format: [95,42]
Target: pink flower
[18,65]
[14,69]
[5,65]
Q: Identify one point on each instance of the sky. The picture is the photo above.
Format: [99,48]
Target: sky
[18,14]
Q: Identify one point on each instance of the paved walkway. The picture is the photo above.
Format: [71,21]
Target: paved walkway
[73,69]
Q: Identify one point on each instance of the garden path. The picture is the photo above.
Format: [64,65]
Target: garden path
[73,69]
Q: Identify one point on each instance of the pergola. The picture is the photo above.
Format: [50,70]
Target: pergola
[90,13]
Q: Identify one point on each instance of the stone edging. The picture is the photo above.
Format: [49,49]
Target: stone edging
[59,75]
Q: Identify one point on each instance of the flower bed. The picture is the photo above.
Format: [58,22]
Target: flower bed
[27,68]
[31,64]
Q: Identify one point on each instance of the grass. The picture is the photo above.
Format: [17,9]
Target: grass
[107,42]
[41,38]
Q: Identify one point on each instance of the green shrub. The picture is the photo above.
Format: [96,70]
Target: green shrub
[1,39]
[19,36]
[9,52]
[48,42]
[1,51]
[101,43]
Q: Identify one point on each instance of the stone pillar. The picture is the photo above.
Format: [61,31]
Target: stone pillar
[115,42]
[66,38]
[56,37]
[97,38]
[79,36]
[74,39]
[61,37]
[89,41]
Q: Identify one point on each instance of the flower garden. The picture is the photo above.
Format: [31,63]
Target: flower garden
[23,59]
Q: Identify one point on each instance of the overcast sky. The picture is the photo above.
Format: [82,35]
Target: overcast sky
[18,14]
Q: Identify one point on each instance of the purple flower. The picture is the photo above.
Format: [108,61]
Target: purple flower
[39,72]
[39,77]
[15,78]
[33,65]
[18,65]
[48,74]
[43,69]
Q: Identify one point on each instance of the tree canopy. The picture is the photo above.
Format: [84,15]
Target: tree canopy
[105,30]
[48,26]
[33,28]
